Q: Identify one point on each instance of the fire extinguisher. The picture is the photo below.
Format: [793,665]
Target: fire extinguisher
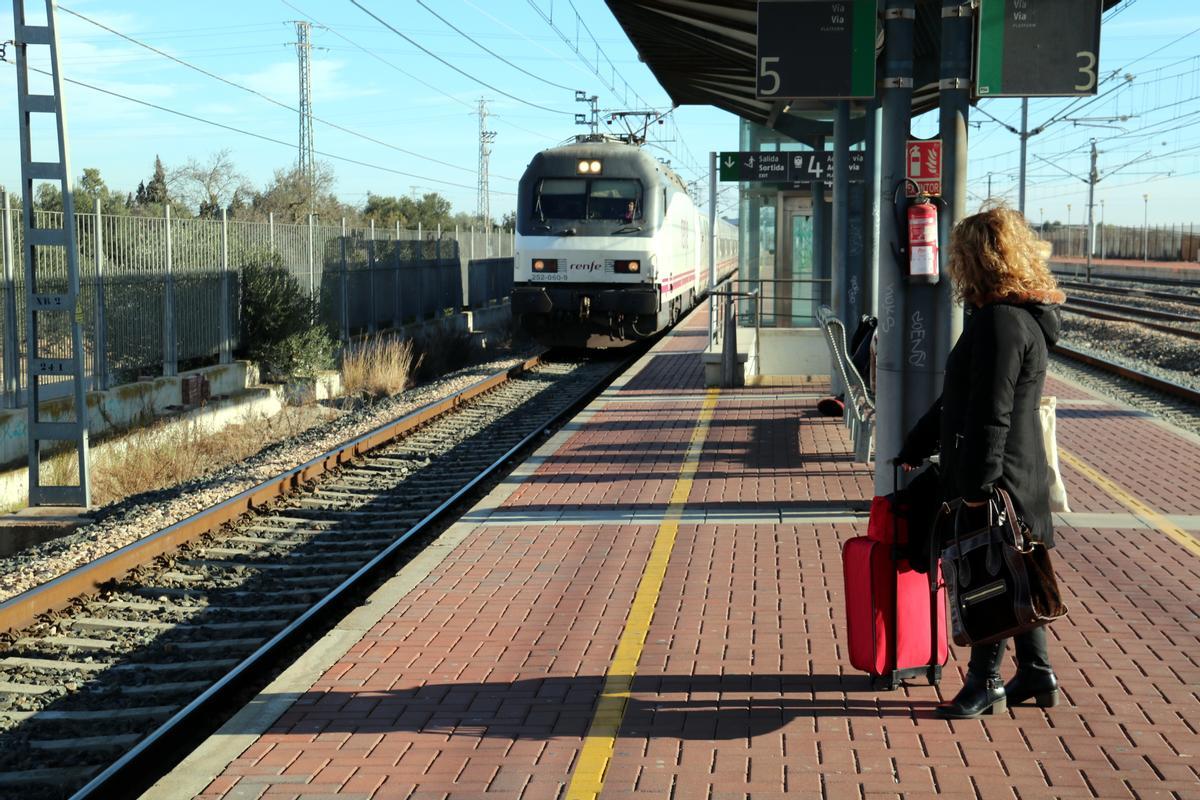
[922,242]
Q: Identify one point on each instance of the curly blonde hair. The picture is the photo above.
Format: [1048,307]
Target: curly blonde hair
[994,256]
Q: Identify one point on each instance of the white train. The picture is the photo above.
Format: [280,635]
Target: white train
[610,248]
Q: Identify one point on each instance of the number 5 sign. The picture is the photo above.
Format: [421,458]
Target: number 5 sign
[1035,48]
[815,48]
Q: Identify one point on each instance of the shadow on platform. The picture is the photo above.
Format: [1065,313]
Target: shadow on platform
[701,707]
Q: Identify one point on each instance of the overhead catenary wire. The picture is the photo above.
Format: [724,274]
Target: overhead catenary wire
[260,136]
[457,69]
[266,97]
[491,52]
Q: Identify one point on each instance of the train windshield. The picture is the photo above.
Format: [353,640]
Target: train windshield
[615,199]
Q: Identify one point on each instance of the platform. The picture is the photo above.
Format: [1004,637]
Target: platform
[652,607]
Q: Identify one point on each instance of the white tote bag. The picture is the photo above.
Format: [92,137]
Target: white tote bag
[1058,490]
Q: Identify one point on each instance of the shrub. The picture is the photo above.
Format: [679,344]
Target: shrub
[380,366]
[277,321]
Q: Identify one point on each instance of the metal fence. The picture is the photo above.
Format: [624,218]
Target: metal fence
[1157,243]
[489,281]
[158,294]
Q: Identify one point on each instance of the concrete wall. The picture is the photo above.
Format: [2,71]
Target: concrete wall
[121,406]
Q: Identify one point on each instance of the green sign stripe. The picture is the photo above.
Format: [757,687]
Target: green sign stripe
[991,47]
[862,65]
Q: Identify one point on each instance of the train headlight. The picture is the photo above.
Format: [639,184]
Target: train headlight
[627,267]
[584,167]
[634,266]
[545,265]
[595,166]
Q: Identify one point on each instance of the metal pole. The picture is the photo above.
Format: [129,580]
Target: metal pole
[1145,227]
[345,281]
[890,425]
[472,242]
[170,366]
[729,344]
[874,171]
[839,243]
[100,338]
[12,379]
[712,240]
[372,229]
[1024,134]
[1102,249]
[312,282]
[1093,177]
[271,228]
[954,112]
[225,354]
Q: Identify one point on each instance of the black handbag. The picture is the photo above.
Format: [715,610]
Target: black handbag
[998,582]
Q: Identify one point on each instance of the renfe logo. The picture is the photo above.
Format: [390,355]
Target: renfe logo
[594,266]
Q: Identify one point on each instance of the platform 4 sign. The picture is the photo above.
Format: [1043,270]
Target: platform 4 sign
[803,166]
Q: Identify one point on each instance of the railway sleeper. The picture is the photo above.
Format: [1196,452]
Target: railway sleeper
[305,565]
[310,550]
[99,715]
[60,776]
[77,642]
[93,623]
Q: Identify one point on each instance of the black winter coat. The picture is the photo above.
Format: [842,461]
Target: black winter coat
[986,421]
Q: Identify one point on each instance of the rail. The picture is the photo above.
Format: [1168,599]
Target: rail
[860,406]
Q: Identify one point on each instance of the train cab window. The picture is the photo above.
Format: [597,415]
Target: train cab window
[616,199]
[561,198]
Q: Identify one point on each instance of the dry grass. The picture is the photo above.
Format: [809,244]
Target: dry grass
[380,366]
[167,454]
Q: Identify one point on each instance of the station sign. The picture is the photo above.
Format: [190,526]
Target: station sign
[1034,48]
[797,166]
[923,164]
[816,49]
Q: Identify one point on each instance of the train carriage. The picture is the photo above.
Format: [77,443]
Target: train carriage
[610,247]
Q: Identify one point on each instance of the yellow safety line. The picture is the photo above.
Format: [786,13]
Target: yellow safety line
[1126,499]
[588,779]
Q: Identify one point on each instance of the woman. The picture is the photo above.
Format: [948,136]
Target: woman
[986,421]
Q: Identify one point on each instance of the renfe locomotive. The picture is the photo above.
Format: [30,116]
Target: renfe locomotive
[610,248]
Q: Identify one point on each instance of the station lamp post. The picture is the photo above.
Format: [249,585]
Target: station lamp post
[1145,227]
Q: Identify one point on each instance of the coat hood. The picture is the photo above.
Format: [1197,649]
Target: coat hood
[1044,306]
[1048,318]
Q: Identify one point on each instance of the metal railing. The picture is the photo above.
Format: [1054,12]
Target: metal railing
[160,292]
[785,302]
[859,404]
[723,333]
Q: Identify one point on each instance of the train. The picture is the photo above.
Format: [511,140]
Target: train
[610,249]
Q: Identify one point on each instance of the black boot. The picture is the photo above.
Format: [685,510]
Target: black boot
[979,696]
[1040,687]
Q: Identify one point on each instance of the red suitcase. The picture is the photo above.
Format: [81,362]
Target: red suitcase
[891,608]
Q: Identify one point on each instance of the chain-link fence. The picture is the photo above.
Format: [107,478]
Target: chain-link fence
[159,294]
[1152,243]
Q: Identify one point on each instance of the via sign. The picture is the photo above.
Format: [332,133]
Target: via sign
[815,48]
[788,166]
[1035,48]
[923,164]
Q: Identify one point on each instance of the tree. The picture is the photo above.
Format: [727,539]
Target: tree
[89,188]
[428,212]
[211,185]
[509,220]
[154,192]
[290,196]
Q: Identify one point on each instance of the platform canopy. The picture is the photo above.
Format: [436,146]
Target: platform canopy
[703,53]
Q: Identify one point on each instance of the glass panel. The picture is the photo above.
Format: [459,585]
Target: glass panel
[561,198]
[615,199]
[804,304]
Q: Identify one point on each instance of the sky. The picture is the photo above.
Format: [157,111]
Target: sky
[407,110]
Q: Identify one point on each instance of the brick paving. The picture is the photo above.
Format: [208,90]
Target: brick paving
[481,682]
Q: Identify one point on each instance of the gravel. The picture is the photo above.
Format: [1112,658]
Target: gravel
[122,523]
[1163,355]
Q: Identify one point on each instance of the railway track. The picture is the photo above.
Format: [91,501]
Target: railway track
[1173,297]
[1137,376]
[1133,314]
[102,686]
[1067,274]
